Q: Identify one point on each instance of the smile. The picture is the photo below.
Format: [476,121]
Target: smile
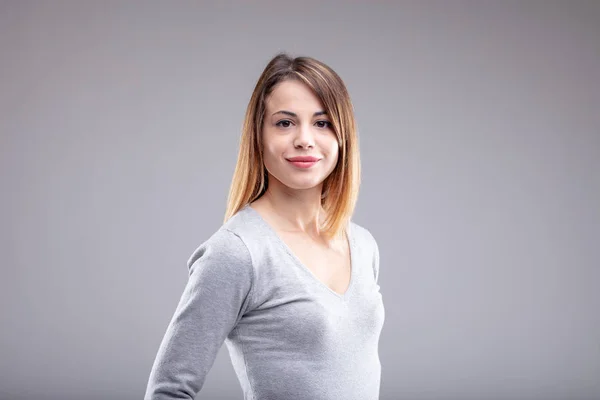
[303,164]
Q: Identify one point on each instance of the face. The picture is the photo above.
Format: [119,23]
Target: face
[296,125]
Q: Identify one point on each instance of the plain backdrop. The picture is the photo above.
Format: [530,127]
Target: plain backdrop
[479,130]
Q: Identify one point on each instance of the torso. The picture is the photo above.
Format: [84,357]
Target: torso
[330,263]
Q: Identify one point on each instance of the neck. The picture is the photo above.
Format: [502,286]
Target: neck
[296,210]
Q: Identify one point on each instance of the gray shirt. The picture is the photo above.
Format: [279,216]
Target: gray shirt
[288,334]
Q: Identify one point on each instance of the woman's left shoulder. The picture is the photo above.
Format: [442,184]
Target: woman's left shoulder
[362,235]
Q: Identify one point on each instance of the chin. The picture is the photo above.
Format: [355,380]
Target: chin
[300,184]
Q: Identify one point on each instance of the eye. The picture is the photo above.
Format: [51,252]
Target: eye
[284,123]
[324,124]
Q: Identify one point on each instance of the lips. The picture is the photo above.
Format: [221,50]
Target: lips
[303,162]
[303,159]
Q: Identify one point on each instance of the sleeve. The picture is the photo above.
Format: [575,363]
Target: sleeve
[217,294]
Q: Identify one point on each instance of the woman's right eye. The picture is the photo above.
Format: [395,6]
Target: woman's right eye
[282,122]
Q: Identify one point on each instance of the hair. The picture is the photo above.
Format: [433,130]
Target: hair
[340,188]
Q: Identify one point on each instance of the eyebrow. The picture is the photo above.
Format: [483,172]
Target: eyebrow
[291,114]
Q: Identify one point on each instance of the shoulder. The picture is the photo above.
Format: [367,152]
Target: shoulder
[221,269]
[253,232]
[234,243]
[222,262]
[368,244]
[363,236]
[224,246]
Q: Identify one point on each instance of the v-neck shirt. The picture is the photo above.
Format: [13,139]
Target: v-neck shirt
[294,257]
[288,334]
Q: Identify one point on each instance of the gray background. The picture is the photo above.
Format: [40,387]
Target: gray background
[480,141]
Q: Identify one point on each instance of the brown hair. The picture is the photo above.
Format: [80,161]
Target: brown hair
[340,188]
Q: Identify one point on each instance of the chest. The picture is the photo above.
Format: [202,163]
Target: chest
[331,265]
[294,307]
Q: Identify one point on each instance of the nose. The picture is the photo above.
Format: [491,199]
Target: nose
[304,137]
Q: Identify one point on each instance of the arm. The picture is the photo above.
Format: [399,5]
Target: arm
[215,297]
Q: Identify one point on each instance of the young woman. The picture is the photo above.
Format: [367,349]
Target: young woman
[289,282]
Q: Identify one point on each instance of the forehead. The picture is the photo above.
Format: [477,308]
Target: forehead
[293,95]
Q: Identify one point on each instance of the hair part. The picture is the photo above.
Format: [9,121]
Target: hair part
[340,188]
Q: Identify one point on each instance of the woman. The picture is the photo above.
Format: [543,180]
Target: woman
[288,282]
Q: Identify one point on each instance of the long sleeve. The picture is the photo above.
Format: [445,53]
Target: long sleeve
[217,294]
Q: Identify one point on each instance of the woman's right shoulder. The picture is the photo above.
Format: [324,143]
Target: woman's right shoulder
[228,243]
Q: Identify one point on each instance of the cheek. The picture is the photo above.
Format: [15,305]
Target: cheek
[273,154]
[272,151]
[333,150]
[271,142]
[269,146]
[335,159]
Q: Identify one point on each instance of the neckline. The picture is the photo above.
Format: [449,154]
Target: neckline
[349,237]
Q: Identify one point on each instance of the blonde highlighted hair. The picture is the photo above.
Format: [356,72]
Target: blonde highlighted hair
[340,188]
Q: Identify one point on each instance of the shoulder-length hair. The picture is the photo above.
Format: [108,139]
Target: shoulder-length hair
[340,188]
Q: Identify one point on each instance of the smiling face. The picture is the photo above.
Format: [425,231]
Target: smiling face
[295,124]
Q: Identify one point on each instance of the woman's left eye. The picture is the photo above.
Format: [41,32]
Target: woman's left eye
[327,124]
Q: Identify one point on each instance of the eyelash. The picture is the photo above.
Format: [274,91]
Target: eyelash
[287,120]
